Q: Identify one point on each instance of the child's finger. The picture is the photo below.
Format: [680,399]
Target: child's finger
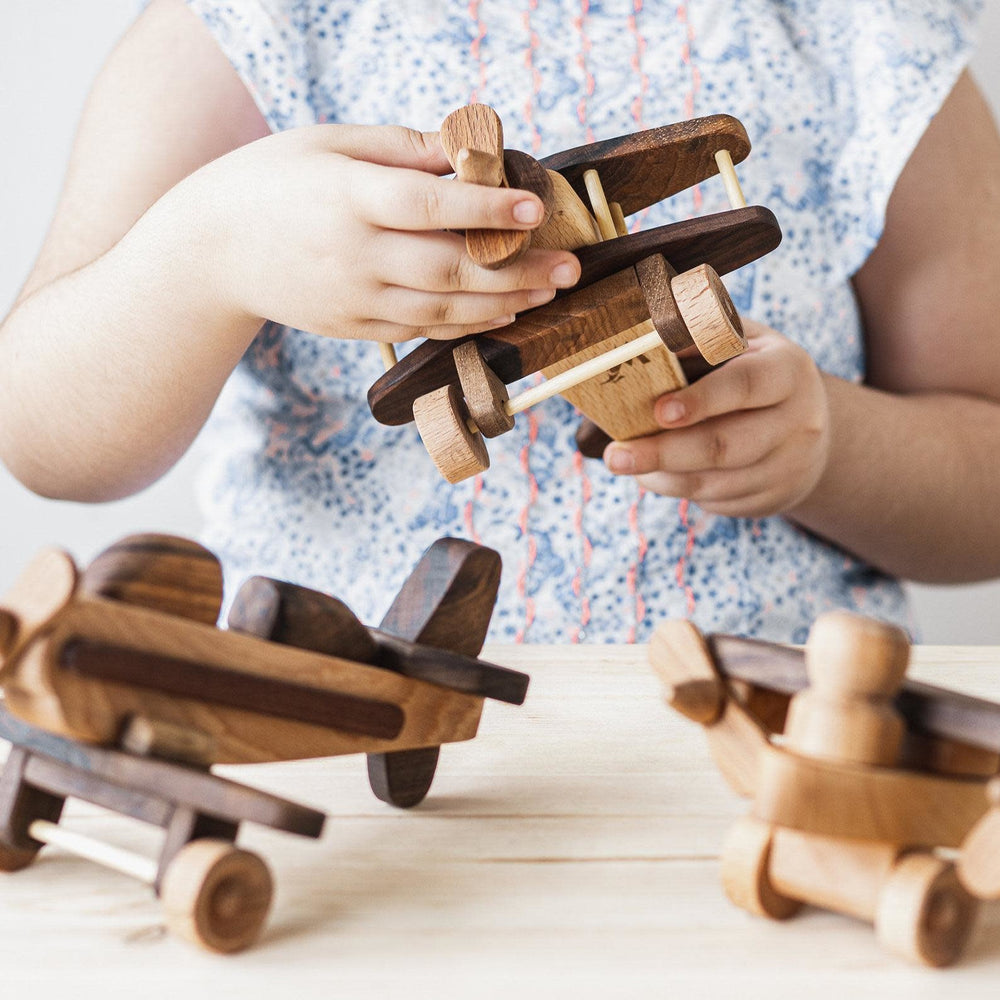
[412,200]
[723,443]
[439,262]
[749,382]
[388,145]
[430,309]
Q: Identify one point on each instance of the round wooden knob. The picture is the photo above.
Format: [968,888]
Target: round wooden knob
[848,655]
[484,391]
[443,423]
[709,314]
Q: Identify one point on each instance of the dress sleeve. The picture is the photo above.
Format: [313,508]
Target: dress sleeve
[895,63]
[268,45]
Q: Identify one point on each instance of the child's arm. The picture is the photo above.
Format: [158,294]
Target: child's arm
[905,470]
[177,234]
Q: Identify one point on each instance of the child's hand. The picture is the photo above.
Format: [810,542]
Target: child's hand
[749,439]
[340,230]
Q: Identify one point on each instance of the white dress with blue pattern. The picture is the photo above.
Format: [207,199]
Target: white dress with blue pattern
[303,483]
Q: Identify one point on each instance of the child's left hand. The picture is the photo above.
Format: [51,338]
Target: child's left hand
[749,439]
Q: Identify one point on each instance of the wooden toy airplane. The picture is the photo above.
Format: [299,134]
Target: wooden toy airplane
[120,690]
[861,782]
[607,344]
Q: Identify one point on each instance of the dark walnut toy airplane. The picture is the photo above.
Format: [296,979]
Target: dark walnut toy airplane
[609,344]
[120,690]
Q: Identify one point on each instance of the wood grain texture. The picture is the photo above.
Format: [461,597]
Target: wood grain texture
[163,572]
[569,226]
[477,127]
[594,860]
[42,693]
[485,393]
[643,168]
[930,709]
[457,449]
[447,600]
[299,616]
[226,799]
[844,800]
[538,338]
[709,314]
[725,240]
[681,658]
[268,696]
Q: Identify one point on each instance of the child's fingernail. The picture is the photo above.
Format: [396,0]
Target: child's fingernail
[563,275]
[621,461]
[528,212]
[502,320]
[540,295]
[671,412]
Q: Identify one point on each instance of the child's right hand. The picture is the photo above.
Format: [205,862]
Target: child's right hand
[340,230]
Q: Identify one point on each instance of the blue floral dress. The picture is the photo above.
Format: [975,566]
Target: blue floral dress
[302,483]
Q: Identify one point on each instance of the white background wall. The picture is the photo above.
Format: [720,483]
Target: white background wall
[50,50]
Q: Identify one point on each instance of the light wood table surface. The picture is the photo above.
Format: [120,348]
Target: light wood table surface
[571,849]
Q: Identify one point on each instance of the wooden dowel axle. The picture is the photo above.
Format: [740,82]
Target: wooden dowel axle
[116,858]
[729,179]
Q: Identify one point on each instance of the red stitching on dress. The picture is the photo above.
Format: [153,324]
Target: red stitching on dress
[581,60]
[689,100]
[476,49]
[536,77]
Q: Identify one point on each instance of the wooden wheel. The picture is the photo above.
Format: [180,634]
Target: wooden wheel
[402,777]
[745,859]
[709,314]
[442,421]
[923,912]
[484,391]
[216,895]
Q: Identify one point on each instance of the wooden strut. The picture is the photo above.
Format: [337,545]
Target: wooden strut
[611,223]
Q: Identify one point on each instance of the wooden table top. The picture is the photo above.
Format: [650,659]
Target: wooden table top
[571,849]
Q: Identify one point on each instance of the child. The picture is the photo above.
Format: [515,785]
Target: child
[852,443]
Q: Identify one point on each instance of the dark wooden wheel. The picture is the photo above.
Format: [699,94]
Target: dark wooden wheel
[13,859]
[402,777]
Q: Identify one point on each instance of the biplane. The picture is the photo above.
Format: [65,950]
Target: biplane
[872,795]
[121,690]
[608,344]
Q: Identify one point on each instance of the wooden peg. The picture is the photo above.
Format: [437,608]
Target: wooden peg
[147,737]
[855,665]
[485,394]
[569,226]
[474,136]
[729,179]
[681,659]
[443,423]
[473,166]
[387,352]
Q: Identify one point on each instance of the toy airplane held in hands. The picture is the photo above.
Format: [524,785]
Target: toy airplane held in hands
[871,795]
[120,690]
[608,344]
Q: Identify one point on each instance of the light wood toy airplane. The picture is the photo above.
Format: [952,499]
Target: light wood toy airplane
[863,785]
[120,690]
[607,345]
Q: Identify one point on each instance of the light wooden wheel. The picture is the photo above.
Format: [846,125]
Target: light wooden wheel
[442,421]
[709,314]
[484,391]
[216,895]
[923,912]
[745,859]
